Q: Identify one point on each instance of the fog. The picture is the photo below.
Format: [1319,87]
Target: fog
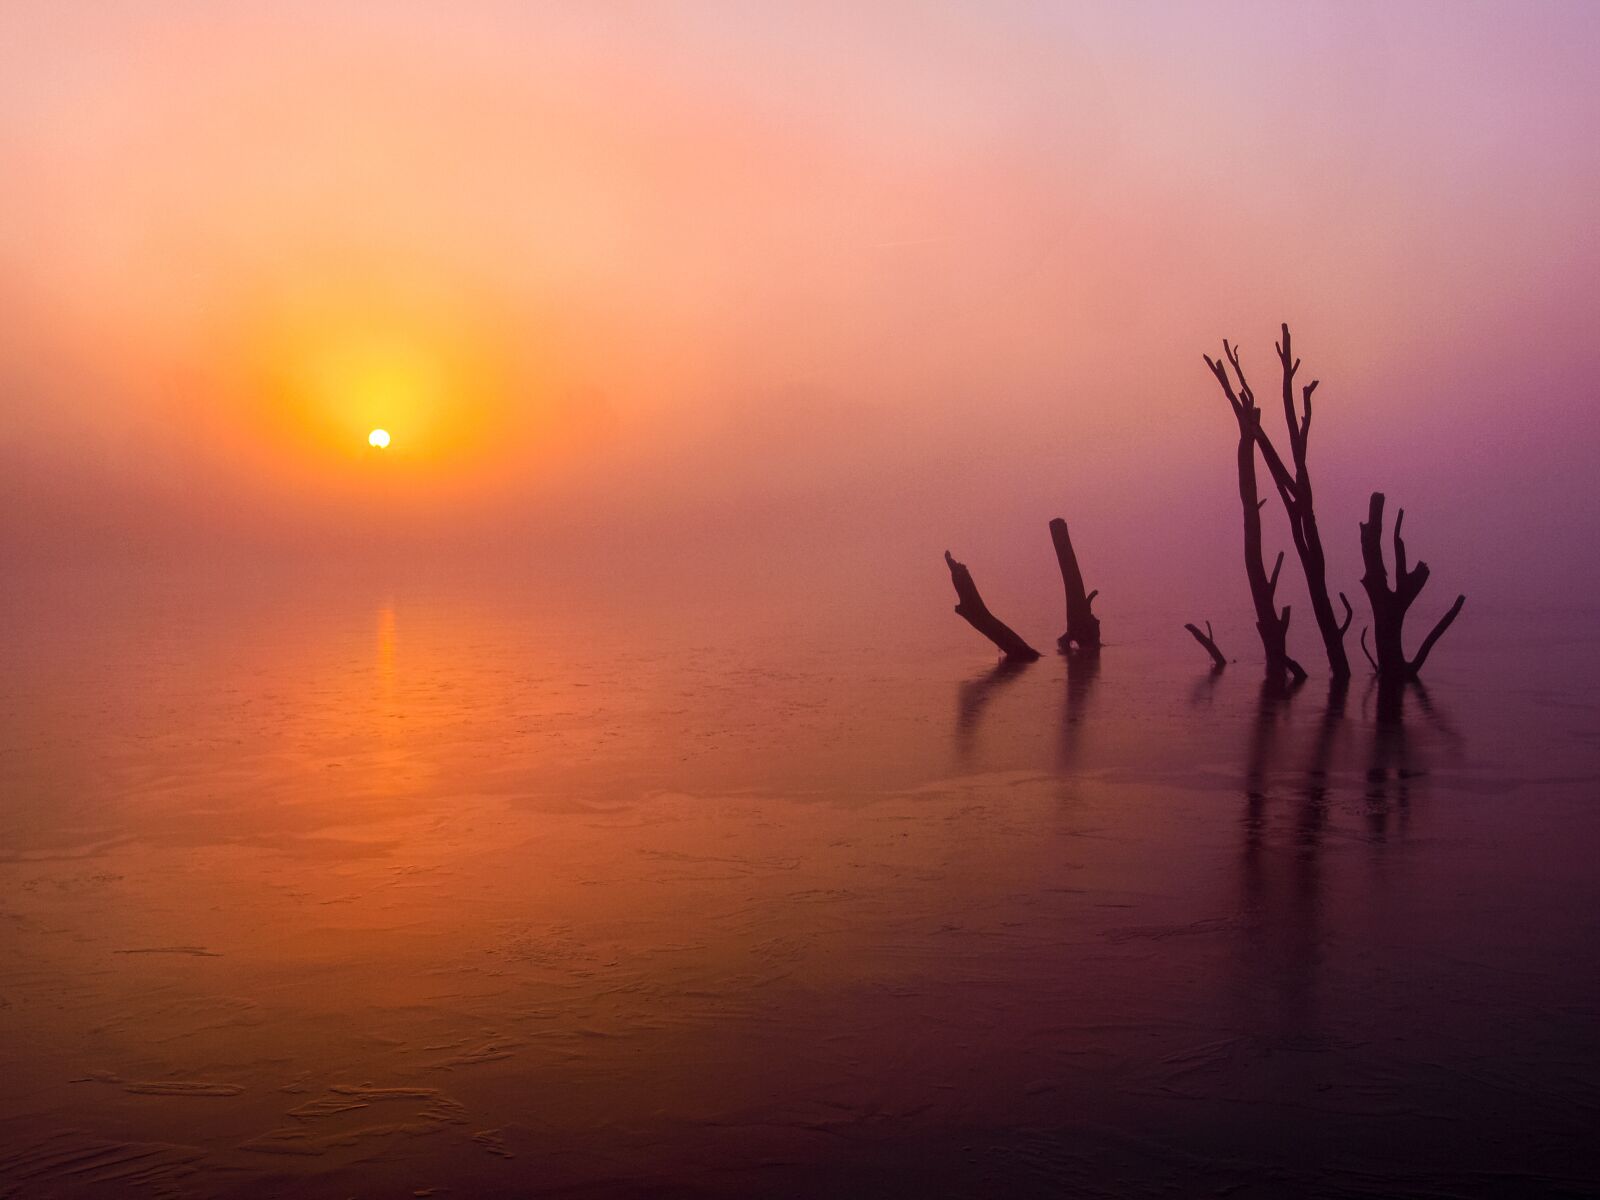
[728,303]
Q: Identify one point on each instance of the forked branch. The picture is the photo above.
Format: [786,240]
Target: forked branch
[1390,603]
[1272,625]
[1294,487]
[1209,642]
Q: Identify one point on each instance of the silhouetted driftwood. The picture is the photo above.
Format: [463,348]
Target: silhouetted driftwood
[1389,604]
[1295,491]
[977,614]
[1208,640]
[1083,627]
[1272,625]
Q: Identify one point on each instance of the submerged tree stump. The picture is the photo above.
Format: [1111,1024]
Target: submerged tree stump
[1083,627]
[976,613]
[1389,604]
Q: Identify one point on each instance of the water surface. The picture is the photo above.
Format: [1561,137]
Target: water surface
[390,893]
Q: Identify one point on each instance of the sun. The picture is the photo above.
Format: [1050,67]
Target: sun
[379,438]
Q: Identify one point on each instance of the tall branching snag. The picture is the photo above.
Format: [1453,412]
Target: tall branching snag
[1389,604]
[1294,489]
[1272,625]
[976,613]
[1292,480]
[1083,627]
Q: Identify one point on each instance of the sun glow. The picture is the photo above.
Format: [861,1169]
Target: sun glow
[424,377]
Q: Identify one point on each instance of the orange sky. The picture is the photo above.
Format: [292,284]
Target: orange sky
[714,283]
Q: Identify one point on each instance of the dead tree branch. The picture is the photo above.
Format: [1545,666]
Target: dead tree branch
[1209,642]
[976,613]
[1272,625]
[1083,627]
[1293,486]
[1389,604]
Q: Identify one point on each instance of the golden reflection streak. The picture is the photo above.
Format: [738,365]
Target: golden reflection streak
[385,653]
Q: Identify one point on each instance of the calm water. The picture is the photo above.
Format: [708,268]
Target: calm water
[392,894]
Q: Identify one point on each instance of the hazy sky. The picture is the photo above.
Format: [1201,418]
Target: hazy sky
[766,290]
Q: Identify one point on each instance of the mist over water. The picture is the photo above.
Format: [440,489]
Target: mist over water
[385,889]
[590,791]
[677,290]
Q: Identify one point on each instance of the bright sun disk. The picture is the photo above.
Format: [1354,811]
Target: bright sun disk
[379,438]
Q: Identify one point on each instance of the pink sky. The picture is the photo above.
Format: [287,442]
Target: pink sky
[716,286]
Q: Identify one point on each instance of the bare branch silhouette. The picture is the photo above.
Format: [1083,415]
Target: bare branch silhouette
[1083,627]
[1209,642]
[976,613]
[1272,625]
[1294,488]
[1364,649]
[1390,604]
